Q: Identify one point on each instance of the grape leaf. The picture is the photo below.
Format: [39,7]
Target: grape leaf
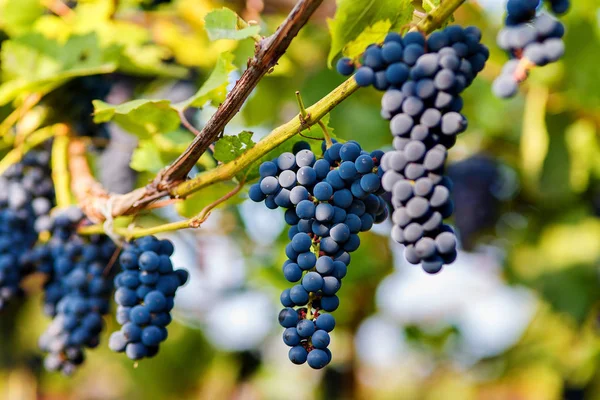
[229,148]
[153,154]
[147,157]
[142,117]
[372,34]
[352,17]
[16,17]
[35,63]
[147,60]
[133,43]
[214,88]
[226,24]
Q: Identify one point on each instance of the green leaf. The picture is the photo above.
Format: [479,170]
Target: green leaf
[144,118]
[14,88]
[214,88]
[352,17]
[153,154]
[35,57]
[146,157]
[373,34]
[17,17]
[228,148]
[147,60]
[35,63]
[226,24]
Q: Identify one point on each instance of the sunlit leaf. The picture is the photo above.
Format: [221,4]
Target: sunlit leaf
[226,24]
[154,153]
[372,34]
[16,17]
[36,63]
[214,88]
[148,61]
[141,117]
[146,157]
[352,17]
[230,147]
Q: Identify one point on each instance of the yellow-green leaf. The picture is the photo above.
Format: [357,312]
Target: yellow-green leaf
[373,34]
[16,17]
[214,88]
[146,157]
[226,24]
[35,63]
[352,17]
[230,147]
[141,117]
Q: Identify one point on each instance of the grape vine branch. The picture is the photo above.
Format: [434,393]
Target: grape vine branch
[194,222]
[171,181]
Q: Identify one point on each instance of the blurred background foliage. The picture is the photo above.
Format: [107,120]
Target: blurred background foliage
[516,317]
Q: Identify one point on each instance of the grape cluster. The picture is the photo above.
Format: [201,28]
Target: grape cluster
[427,71]
[26,196]
[328,201]
[145,294]
[423,79]
[531,39]
[77,292]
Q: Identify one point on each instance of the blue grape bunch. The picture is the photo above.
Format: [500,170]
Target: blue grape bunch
[145,294]
[77,291]
[328,201]
[531,38]
[423,79]
[26,197]
[431,70]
